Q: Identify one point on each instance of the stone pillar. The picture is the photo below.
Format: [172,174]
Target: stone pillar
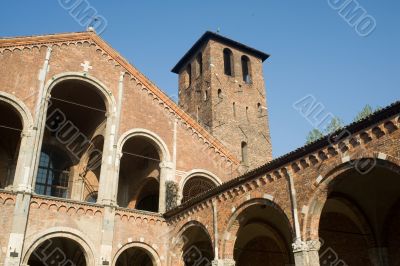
[17,235]
[223,262]
[166,174]
[108,169]
[379,256]
[22,177]
[300,252]
[306,253]
[107,236]
[313,252]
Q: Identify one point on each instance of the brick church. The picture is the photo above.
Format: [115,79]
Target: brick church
[98,166]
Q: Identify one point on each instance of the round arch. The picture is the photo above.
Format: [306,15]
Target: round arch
[155,258]
[105,93]
[228,242]
[319,197]
[22,151]
[160,145]
[82,240]
[20,107]
[181,242]
[197,172]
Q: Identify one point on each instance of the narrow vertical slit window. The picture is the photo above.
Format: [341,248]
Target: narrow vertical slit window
[189,75]
[234,110]
[244,153]
[199,60]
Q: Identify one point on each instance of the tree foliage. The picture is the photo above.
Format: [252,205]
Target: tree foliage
[314,135]
[336,123]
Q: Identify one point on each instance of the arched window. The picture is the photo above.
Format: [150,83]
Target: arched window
[195,186]
[234,110]
[199,60]
[228,62]
[259,108]
[53,173]
[189,75]
[205,95]
[247,113]
[246,69]
[244,153]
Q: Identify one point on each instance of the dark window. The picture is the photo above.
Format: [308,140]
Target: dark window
[200,64]
[259,108]
[148,203]
[244,153]
[228,62]
[246,69]
[234,110]
[92,197]
[53,175]
[220,93]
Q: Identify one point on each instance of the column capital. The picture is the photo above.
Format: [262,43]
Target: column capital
[166,164]
[299,246]
[309,245]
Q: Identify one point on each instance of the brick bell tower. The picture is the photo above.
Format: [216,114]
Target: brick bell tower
[221,85]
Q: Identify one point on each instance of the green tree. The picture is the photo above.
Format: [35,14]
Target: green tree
[366,111]
[335,124]
[314,135]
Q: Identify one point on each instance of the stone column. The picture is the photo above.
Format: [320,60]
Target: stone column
[306,253]
[223,262]
[379,256]
[107,171]
[313,252]
[107,236]
[22,177]
[166,174]
[17,235]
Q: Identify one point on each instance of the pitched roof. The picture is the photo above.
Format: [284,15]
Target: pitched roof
[208,35]
[92,36]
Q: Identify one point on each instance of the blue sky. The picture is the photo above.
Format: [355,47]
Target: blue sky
[313,49]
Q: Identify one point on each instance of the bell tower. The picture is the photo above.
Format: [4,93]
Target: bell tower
[221,85]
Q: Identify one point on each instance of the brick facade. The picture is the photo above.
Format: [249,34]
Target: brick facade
[288,207]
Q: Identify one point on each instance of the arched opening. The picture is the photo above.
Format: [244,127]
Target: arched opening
[195,186]
[139,175]
[263,237]
[58,251]
[76,112]
[148,197]
[199,60]
[135,256]
[197,246]
[354,221]
[246,69]
[10,139]
[228,62]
